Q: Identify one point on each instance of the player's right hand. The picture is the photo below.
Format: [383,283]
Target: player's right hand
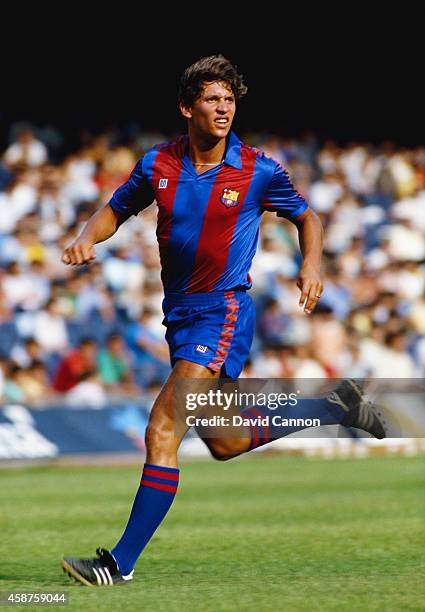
[78,253]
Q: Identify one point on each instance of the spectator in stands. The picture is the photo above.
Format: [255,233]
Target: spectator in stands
[93,296]
[114,365]
[328,342]
[306,365]
[50,328]
[18,288]
[26,151]
[6,313]
[3,368]
[21,197]
[268,364]
[88,392]
[75,365]
[26,351]
[34,382]
[150,352]
[13,391]
[273,323]
[395,362]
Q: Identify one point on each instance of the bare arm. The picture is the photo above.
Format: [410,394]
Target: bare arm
[101,226]
[310,234]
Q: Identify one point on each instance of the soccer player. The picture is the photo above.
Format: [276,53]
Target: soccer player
[211,190]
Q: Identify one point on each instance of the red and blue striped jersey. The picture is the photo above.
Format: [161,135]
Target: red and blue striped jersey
[208,224]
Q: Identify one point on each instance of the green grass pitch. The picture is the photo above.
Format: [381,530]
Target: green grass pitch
[257,533]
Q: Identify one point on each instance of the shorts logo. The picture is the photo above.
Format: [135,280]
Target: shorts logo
[201,349]
[229,197]
[163,183]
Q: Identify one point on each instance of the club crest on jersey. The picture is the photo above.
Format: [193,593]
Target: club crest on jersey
[230,198]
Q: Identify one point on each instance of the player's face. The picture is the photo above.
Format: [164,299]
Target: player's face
[211,115]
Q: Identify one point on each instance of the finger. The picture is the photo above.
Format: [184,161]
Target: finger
[91,253]
[78,257]
[66,258]
[303,294]
[310,305]
[313,298]
[86,253]
[71,257]
[304,288]
[303,298]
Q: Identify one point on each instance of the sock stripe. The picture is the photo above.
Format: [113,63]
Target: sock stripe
[259,434]
[264,428]
[159,480]
[157,485]
[158,474]
[160,468]
[255,438]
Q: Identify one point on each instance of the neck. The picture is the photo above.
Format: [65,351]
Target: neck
[206,153]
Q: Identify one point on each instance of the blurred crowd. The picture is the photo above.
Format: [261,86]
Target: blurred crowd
[81,335]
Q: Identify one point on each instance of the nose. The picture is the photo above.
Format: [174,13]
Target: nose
[222,106]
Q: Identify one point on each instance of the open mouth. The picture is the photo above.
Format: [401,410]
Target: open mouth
[222,123]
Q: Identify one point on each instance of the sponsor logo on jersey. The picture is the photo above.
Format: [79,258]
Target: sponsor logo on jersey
[201,348]
[163,183]
[229,197]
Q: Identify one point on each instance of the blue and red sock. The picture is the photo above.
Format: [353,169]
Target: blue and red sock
[156,493]
[263,429]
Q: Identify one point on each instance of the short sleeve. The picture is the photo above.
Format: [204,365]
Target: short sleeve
[134,195]
[281,197]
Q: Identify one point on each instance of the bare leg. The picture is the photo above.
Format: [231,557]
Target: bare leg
[162,439]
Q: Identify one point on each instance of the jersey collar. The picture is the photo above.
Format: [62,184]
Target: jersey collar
[233,151]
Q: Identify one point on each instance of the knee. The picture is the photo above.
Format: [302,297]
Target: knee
[224,449]
[219,453]
[155,436]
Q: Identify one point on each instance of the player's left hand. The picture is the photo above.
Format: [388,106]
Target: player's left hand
[310,284]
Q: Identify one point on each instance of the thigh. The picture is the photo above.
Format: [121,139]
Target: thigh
[169,405]
[216,430]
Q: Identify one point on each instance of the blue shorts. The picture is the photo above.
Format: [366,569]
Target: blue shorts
[213,329]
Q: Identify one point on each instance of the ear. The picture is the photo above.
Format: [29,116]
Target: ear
[185,111]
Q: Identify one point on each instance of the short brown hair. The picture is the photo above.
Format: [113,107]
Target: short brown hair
[211,68]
